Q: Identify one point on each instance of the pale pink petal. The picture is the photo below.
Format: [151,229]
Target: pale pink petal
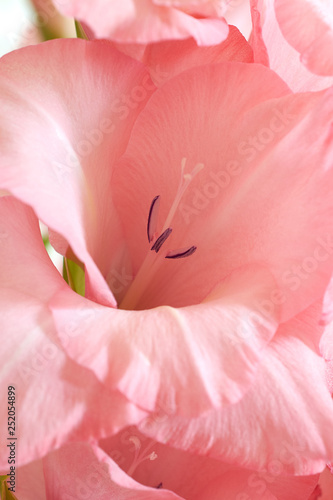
[68,108]
[56,399]
[198,477]
[258,12]
[271,48]
[193,358]
[167,59]
[308,26]
[82,471]
[329,375]
[326,340]
[238,14]
[283,423]
[143,21]
[252,202]
[326,343]
[197,7]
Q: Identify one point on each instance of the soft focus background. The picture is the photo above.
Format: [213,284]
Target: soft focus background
[24,22]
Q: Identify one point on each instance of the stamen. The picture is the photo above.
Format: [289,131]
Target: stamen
[152,262]
[159,486]
[161,239]
[181,254]
[152,218]
[139,458]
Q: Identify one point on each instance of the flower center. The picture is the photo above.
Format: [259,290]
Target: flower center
[155,258]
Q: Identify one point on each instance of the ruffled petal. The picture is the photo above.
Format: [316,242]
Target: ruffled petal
[143,21]
[271,48]
[239,14]
[308,26]
[68,108]
[281,426]
[192,358]
[32,358]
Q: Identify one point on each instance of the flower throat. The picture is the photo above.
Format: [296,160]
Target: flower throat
[155,256]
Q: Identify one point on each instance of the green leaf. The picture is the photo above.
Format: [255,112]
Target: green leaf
[6,494]
[80,33]
[74,275]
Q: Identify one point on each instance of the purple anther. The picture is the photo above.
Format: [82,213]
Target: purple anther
[161,239]
[180,254]
[152,218]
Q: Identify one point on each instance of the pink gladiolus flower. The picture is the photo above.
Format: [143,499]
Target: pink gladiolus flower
[144,21]
[201,210]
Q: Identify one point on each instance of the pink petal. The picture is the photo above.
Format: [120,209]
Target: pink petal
[83,471]
[329,375]
[242,207]
[283,423]
[30,484]
[73,122]
[191,359]
[167,59]
[326,343]
[199,477]
[143,21]
[308,26]
[32,359]
[197,7]
[271,48]
[325,486]
[239,14]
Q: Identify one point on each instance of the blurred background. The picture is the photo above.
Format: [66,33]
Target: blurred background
[25,22]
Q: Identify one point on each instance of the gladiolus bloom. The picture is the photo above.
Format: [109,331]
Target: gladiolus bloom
[201,214]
